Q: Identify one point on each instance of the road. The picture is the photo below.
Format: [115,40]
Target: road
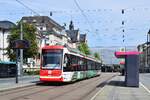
[81,90]
[145,79]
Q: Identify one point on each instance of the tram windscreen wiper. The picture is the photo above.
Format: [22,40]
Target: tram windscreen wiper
[52,66]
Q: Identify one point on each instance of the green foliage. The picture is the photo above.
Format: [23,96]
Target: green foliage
[83,47]
[96,55]
[28,34]
[37,72]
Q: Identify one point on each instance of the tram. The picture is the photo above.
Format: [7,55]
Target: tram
[63,64]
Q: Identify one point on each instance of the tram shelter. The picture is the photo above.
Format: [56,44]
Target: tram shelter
[131,67]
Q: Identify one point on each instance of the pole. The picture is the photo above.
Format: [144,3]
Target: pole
[16,65]
[147,52]
[21,52]
[3,31]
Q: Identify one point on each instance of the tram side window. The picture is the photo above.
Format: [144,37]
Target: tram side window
[74,63]
[93,66]
[79,64]
[70,63]
[97,66]
[89,65]
[84,64]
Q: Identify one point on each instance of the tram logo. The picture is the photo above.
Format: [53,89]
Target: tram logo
[49,72]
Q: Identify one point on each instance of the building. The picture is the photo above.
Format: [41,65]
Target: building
[49,32]
[75,35]
[145,56]
[83,38]
[5,28]
[44,24]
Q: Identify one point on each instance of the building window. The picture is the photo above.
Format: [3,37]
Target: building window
[41,28]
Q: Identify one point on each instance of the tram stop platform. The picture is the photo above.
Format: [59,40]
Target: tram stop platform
[117,90]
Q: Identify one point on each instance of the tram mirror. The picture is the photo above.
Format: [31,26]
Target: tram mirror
[64,65]
[65,59]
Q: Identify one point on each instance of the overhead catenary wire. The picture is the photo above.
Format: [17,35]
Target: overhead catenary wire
[128,10]
[77,11]
[82,12]
[27,7]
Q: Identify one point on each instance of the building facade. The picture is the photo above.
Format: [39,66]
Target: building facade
[5,28]
[50,32]
[144,57]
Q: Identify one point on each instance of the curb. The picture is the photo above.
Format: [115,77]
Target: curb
[20,86]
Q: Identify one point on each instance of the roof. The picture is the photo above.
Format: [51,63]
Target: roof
[73,34]
[42,19]
[6,25]
[123,54]
[7,62]
[52,47]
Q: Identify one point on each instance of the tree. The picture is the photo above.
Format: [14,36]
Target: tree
[83,47]
[96,55]
[28,34]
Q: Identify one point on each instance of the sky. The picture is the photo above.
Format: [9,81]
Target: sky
[101,20]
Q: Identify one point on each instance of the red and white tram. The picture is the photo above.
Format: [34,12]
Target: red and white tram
[62,64]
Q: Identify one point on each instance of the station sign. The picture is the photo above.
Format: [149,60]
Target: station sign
[20,44]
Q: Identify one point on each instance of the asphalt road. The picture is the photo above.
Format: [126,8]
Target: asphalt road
[81,90]
[145,79]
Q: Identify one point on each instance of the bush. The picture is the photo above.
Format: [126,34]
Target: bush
[37,72]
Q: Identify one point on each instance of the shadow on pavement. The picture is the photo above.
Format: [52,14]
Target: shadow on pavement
[101,84]
[51,84]
[117,83]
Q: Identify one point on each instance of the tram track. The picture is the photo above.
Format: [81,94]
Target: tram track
[101,85]
[82,97]
[48,89]
[51,92]
[7,92]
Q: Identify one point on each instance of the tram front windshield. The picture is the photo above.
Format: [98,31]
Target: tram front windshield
[52,59]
